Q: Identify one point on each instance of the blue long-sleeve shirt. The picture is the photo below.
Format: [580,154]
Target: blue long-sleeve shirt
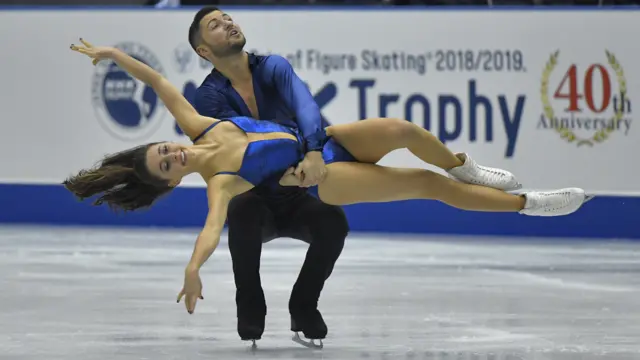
[280,95]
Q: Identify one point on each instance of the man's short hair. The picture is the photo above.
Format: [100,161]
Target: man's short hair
[194,29]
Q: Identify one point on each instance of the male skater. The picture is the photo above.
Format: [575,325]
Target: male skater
[266,87]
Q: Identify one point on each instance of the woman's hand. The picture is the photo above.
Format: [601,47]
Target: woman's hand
[192,290]
[95,53]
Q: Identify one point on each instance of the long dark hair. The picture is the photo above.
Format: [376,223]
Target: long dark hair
[123,180]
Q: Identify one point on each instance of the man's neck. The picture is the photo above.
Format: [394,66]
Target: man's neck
[235,67]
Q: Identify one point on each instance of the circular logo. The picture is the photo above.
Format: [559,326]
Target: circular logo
[585,103]
[184,58]
[126,107]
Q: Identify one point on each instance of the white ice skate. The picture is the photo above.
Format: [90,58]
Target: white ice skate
[472,173]
[554,203]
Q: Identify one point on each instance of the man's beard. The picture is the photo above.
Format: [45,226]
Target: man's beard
[230,50]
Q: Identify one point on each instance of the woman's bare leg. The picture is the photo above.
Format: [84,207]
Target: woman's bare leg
[371,139]
[350,183]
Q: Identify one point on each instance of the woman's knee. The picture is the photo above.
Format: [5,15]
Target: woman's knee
[401,131]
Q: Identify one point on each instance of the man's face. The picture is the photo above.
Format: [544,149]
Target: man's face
[221,36]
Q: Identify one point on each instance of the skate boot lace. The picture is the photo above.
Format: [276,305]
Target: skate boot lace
[489,175]
[566,199]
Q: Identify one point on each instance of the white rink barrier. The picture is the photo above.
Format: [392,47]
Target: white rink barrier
[548,95]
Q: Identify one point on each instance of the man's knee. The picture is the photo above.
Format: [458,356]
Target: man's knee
[249,219]
[328,235]
[330,226]
[337,220]
[247,208]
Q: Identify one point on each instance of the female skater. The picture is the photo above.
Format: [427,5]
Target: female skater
[234,155]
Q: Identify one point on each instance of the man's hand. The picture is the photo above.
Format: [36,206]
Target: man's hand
[311,170]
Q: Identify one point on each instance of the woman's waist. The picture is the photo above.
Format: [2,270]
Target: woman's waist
[276,135]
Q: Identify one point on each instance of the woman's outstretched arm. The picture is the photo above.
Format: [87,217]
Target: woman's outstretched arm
[219,197]
[187,117]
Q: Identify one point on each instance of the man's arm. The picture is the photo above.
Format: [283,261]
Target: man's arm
[210,102]
[297,96]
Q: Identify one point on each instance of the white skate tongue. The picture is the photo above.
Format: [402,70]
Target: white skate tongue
[529,201]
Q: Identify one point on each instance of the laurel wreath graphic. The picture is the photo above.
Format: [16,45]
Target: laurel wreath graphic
[567,134]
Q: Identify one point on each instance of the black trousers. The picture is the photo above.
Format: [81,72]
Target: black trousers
[254,219]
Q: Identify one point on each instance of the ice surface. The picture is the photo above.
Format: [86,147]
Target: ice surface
[89,293]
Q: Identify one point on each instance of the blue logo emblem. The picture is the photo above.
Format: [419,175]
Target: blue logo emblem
[127,108]
[184,58]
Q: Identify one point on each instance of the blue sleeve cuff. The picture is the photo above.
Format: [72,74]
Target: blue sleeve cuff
[316,141]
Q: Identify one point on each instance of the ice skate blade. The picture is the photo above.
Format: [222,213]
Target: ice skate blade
[587,198]
[254,346]
[310,344]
